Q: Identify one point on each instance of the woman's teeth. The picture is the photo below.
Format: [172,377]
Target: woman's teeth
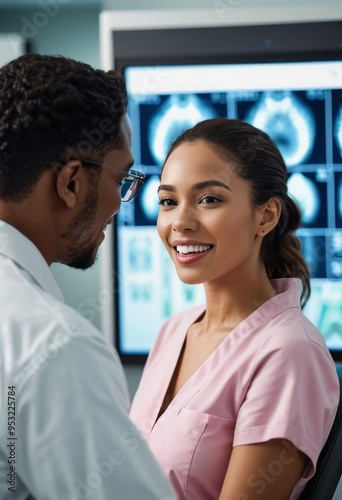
[192,248]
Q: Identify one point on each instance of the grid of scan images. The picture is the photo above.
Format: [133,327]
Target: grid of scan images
[306,125]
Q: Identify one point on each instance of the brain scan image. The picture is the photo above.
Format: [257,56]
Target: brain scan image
[338,130]
[339,198]
[306,194]
[139,254]
[288,121]
[336,244]
[149,198]
[176,114]
[313,248]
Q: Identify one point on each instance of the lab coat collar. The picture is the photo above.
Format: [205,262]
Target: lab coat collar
[17,247]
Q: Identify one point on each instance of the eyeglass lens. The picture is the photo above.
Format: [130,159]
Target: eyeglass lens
[129,189]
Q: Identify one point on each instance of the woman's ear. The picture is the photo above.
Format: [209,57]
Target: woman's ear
[270,214]
[68,184]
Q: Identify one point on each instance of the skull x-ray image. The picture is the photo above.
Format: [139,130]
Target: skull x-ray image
[336,244]
[140,258]
[338,130]
[176,114]
[147,206]
[339,200]
[290,123]
[308,196]
[314,250]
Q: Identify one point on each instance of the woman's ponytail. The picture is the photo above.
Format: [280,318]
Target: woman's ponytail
[281,249]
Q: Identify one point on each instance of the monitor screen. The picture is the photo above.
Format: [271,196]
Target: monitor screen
[299,104]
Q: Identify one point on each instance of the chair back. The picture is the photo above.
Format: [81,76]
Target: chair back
[323,484]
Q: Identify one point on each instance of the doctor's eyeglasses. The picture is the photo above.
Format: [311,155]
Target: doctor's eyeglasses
[131,180]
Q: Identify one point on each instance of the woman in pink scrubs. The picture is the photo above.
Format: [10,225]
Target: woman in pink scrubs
[238,396]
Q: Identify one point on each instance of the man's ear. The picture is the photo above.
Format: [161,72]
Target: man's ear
[270,214]
[69,181]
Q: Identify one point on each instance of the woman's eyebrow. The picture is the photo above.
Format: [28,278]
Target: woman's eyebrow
[206,184]
[166,187]
[196,187]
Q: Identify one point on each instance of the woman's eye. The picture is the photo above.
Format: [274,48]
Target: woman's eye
[210,199]
[166,202]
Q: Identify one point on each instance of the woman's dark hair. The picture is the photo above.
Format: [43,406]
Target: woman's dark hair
[54,109]
[255,157]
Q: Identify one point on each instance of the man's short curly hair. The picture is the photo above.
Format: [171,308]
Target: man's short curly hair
[53,109]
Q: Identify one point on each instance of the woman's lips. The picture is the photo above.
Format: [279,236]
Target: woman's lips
[189,254]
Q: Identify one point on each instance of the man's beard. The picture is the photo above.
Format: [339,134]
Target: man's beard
[84,261]
[85,257]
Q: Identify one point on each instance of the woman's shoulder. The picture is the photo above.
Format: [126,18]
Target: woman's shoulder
[293,334]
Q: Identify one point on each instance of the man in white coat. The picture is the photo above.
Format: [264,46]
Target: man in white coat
[65,167]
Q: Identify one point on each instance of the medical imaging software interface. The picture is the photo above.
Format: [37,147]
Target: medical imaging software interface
[300,106]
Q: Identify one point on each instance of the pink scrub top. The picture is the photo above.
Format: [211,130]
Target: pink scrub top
[271,377]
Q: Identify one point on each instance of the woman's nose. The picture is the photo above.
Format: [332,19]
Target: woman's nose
[185,220]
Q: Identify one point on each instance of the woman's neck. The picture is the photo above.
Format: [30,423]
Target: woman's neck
[230,304]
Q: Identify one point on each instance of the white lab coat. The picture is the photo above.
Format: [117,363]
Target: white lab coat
[69,437]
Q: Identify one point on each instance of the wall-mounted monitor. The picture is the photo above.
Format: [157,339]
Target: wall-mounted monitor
[178,76]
